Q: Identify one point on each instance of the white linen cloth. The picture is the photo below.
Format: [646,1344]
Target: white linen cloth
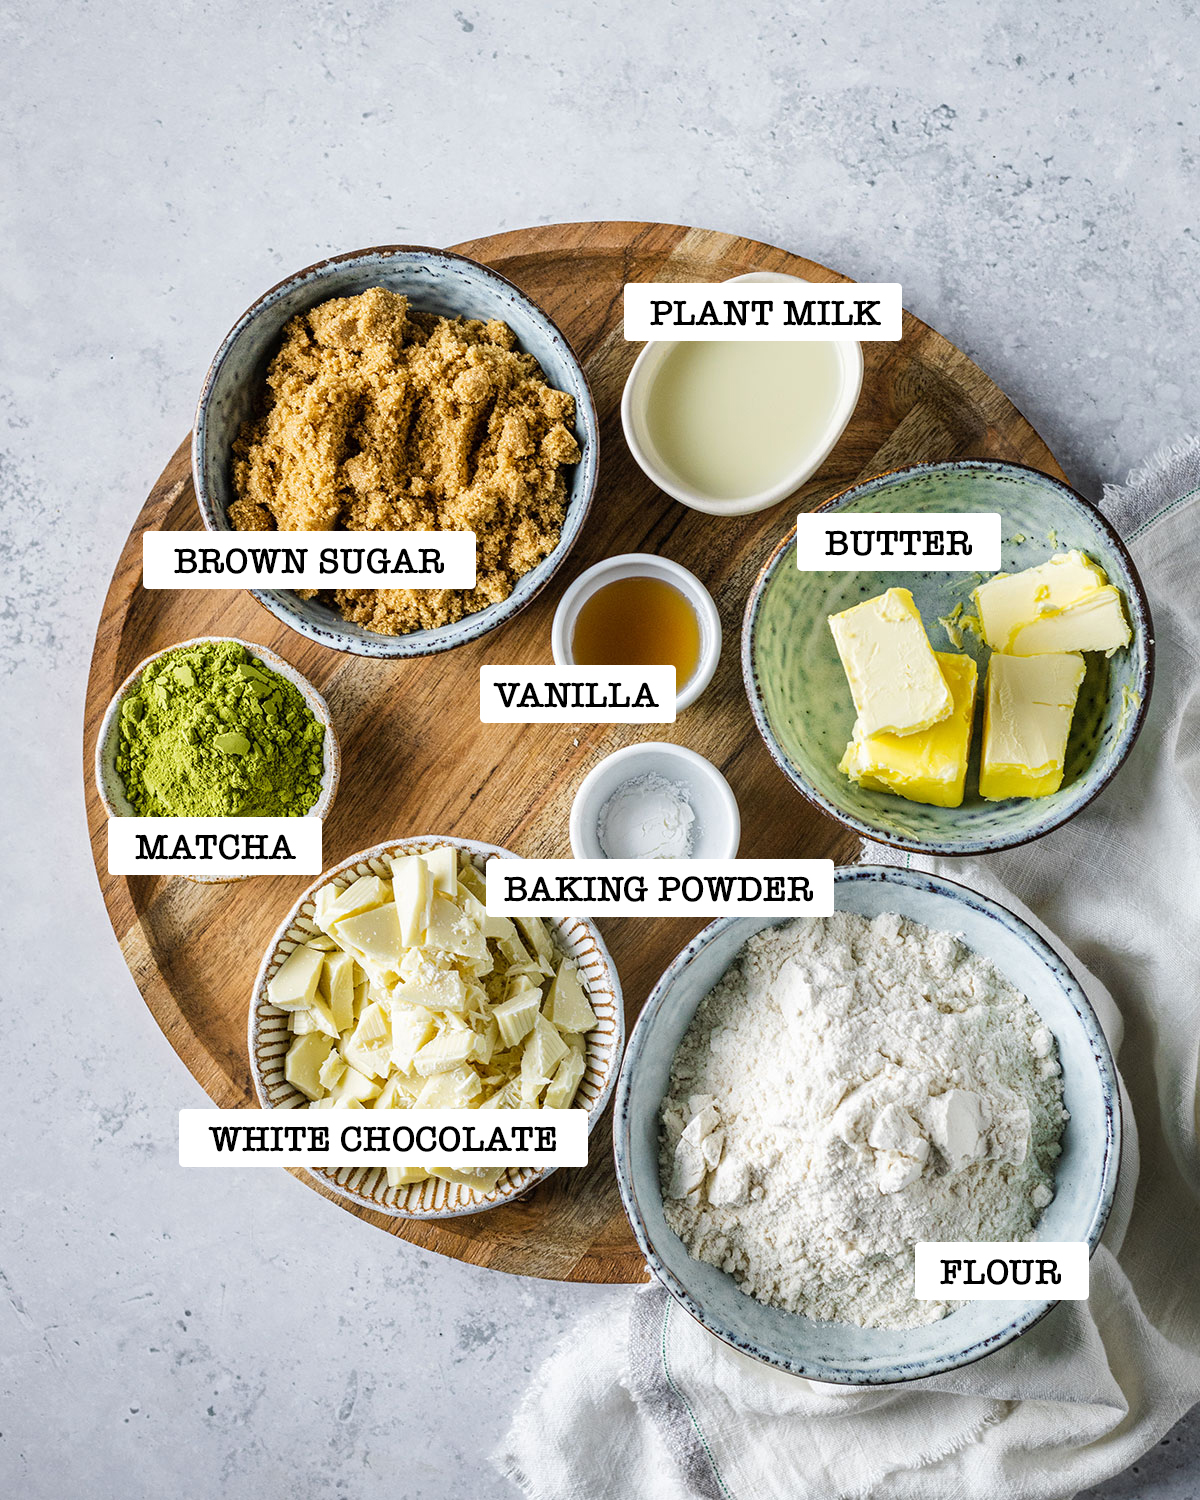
[649,1406]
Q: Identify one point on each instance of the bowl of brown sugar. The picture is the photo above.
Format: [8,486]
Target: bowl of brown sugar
[400,389]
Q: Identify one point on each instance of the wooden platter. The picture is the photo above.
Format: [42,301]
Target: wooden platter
[417,760]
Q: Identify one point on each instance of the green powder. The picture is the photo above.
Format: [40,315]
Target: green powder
[208,731]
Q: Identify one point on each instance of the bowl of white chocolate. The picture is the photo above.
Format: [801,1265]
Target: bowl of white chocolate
[955,712]
[389,986]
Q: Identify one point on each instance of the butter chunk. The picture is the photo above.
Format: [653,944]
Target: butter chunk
[931,765]
[894,677]
[296,980]
[1094,623]
[1011,602]
[1027,719]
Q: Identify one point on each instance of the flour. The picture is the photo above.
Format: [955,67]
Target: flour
[847,1089]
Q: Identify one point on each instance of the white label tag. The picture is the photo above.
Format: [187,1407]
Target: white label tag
[1003,1271]
[942,543]
[660,887]
[476,1138]
[308,560]
[762,310]
[214,846]
[577,695]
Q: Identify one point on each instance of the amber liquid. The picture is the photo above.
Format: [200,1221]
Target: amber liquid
[638,622]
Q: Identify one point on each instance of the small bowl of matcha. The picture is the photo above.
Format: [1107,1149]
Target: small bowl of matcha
[217,728]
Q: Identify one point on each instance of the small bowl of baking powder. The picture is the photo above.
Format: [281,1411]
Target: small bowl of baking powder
[655,801]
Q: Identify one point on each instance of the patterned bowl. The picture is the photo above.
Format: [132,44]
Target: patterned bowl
[434,281]
[432,1199]
[798,692]
[1085,1178]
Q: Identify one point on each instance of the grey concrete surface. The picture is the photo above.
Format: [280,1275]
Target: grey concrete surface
[1029,173]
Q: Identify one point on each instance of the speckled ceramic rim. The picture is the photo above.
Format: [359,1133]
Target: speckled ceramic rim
[1142,623]
[1035,1311]
[268,1039]
[108,780]
[419,642]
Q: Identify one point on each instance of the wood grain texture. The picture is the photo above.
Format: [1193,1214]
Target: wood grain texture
[417,760]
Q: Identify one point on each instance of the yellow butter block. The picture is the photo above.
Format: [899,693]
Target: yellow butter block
[894,677]
[1094,623]
[1063,604]
[931,765]
[1027,716]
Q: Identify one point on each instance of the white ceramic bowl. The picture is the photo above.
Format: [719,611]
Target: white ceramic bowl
[643,565]
[1085,1179]
[718,826]
[108,779]
[641,444]
[269,1040]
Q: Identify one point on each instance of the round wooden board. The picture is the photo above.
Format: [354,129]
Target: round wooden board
[417,760]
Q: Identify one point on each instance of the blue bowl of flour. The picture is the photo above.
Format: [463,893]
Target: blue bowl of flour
[1086,1172]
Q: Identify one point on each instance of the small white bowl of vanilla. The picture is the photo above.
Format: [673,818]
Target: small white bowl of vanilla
[735,426]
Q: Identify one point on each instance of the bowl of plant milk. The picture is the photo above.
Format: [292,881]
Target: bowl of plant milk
[730,426]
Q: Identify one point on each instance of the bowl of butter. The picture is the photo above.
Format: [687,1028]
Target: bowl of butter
[389,986]
[948,712]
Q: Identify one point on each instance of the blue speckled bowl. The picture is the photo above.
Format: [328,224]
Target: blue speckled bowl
[836,1352]
[435,281]
[802,704]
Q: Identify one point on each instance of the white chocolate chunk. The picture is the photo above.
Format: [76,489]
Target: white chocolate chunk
[295,981]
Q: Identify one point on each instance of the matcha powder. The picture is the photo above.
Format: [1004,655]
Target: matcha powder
[208,731]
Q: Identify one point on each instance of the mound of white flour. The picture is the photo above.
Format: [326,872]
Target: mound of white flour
[847,1089]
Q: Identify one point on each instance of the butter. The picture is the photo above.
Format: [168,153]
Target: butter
[1063,604]
[1027,719]
[894,677]
[931,765]
[1094,623]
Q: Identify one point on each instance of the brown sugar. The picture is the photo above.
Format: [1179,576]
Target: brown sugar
[383,419]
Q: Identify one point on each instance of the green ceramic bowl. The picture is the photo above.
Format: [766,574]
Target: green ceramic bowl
[802,704]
